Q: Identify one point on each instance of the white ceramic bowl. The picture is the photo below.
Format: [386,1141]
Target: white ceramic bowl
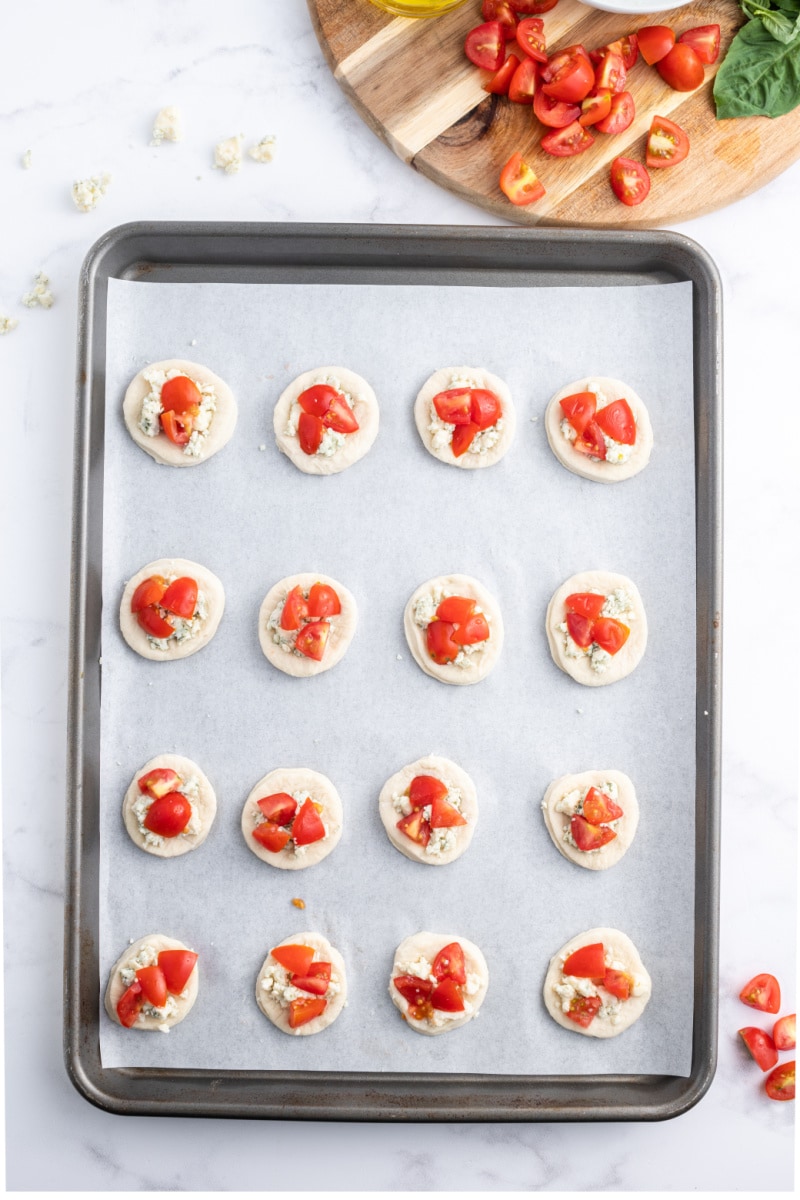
[632,7]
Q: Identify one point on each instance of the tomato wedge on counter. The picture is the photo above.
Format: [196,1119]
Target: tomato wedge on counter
[587,962]
[530,39]
[181,395]
[522,88]
[630,182]
[622,110]
[760,1045]
[176,966]
[704,40]
[499,84]
[168,815]
[762,992]
[655,42]
[519,181]
[667,144]
[564,143]
[785,1033]
[554,113]
[485,45]
[611,73]
[681,68]
[780,1083]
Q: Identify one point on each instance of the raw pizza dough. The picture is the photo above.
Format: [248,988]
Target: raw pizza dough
[607,390]
[619,664]
[207,583]
[619,950]
[321,791]
[454,777]
[484,660]
[160,447]
[204,808]
[153,944]
[363,402]
[279,1013]
[424,414]
[343,627]
[558,822]
[425,946]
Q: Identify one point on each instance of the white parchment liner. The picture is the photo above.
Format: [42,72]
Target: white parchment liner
[392,520]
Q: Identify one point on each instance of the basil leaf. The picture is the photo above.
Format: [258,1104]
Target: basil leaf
[788,6]
[781,27]
[759,75]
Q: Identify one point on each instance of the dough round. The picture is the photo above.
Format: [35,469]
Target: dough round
[160,447]
[363,403]
[558,822]
[599,470]
[619,949]
[336,995]
[202,799]
[207,583]
[483,659]
[321,791]
[625,660]
[152,944]
[441,381]
[426,946]
[455,778]
[343,627]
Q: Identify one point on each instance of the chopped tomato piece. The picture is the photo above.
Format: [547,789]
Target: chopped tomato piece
[616,421]
[579,410]
[317,399]
[271,836]
[780,1082]
[563,143]
[762,992]
[554,113]
[425,789]
[522,88]
[583,1010]
[630,181]
[628,48]
[476,629]
[177,426]
[412,989]
[439,640]
[785,1033]
[159,781]
[485,408]
[610,635]
[153,623]
[591,442]
[611,73]
[594,108]
[312,639]
[619,983]
[449,963]
[295,958]
[454,406]
[667,144]
[180,597]
[760,1045]
[530,39]
[303,1011]
[340,416]
[501,11]
[620,115]
[154,985]
[280,807]
[588,836]
[704,40]
[181,395]
[130,1004]
[456,608]
[314,984]
[519,182]
[655,42]
[148,593]
[295,609]
[580,629]
[176,966]
[462,438]
[447,997]
[308,826]
[588,604]
[569,75]
[587,962]
[320,970]
[415,826]
[444,815]
[532,6]
[323,601]
[168,815]
[599,808]
[500,82]
[485,45]
[681,68]
[310,432]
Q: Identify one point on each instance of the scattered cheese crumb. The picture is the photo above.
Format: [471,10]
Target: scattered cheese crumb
[264,150]
[86,192]
[262,446]
[41,296]
[7,324]
[26,160]
[399,658]
[298,903]
[193,342]
[578,710]
[168,126]
[228,154]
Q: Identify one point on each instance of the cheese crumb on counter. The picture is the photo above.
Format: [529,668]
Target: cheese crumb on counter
[87,192]
[40,296]
[26,160]
[168,126]
[7,324]
[228,154]
[264,150]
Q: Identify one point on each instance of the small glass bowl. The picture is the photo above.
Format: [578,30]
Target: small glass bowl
[417,8]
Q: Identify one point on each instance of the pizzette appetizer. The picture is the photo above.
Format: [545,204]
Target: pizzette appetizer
[169,807]
[429,810]
[171,609]
[592,817]
[326,420]
[179,412]
[597,984]
[599,429]
[454,629]
[292,818]
[465,417]
[302,985]
[306,624]
[438,981]
[596,627]
[153,985]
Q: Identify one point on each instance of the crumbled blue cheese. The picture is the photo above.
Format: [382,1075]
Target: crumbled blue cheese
[168,126]
[263,151]
[567,430]
[571,803]
[598,658]
[571,648]
[616,452]
[26,160]
[228,154]
[40,295]
[619,605]
[7,324]
[440,841]
[401,804]
[276,984]
[87,192]
[487,439]
[332,441]
[442,430]
[184,628]
[420,968]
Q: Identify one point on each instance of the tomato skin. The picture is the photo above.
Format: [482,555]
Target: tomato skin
[611,73]
[445,815]
[295,609]
[617,422]
[485,408]
[168,815]
[415,826]
[153,623]
[320,970]
[312,639]
[587,962]
[439,640]
[629,49]
[595,108]
[500,82]
[588,604]
[500,10]
[180,597]
[620,116]
[181,395]
[303,1011]
[681,68]
[579,410]
[323,601]
[610,635]
[583,1010]
[667,144]
[588,836]
[154,985]
[785,1033]
[177,426]
[618,983]
[475,630]
[130,1004]
[454,406]
[313,984]
[704,40]
[554,113]
[176,967]
[316,400]
[280,807]
[598,808]
[522,88]
[630,182]
[760,1045]
[780,1083]
[294,957]
[580,629]
[271,836]
[308,826]
[456,608]
[591,442]
[485,45]
[450,964]
[564,143]
[412,989]
[518,181]
[148,593]
[655,42]
[571,75]
[530,39]
[446,997]
[310,432]
[425,789]
[537,7]
[159,781]
[463,436]
[762,992]
[340,416]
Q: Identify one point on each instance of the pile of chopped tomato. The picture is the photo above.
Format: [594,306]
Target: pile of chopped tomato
[323,408]
[591,830]
[154,984]
[154,601]
[615,420]
[306,615]
[426,791]
[457,624]
[589,962]
[585,625]
[170,811]
[763,993]
[471,410]
[444,992]
[307,976]
[180,403]
[286,819]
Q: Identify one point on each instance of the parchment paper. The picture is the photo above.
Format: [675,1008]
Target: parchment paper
[381,527]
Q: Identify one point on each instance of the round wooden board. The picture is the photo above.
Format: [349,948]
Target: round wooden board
[412,83]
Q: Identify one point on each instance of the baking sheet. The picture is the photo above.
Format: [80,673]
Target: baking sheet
[382,527]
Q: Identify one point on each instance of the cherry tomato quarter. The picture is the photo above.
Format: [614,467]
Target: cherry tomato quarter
[425,789]
[177,426]
[180,597]
[667,144]
[704,40]
[519,183]
[630,182]
[176,966]
[310,432]
[294,958]
[530,39]
[168,815]
[762,992]
[587,962]
[316,400]
[563,143]
[154,624]
[271,836]
[681,68]
[579,411]
[655,42]
[130,1004]
[485,46]
[154,985]
[502,12]
[781,1081]
[760,1045]
[571,75]
[785,1033]
[303,1011]
[148,592]
[450,964]
[462,438]
[181,395]
[522,88]
[620,116]
[617,422]
[312,639]
[554,113]
[500,82]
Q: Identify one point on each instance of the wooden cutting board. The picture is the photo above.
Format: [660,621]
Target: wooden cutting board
[412,83]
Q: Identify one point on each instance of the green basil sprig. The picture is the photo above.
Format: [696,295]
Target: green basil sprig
[761,72]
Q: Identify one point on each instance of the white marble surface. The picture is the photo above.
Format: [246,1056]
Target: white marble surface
[84,102]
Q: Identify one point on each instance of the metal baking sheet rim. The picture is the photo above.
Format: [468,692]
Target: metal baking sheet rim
[250,252]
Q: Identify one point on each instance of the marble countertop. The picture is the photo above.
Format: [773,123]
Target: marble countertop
[85,104]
